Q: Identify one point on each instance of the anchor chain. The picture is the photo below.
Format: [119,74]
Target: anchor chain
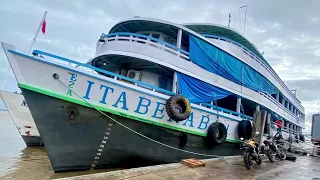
[102,144]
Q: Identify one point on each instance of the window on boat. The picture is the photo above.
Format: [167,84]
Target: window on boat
[146,34]
[168,39]
[163,83]
[157,36]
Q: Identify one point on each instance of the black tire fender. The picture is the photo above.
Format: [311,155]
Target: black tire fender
[217,133]
[244,129]
[176,102]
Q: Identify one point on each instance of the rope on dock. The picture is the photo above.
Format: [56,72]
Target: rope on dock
[109,117]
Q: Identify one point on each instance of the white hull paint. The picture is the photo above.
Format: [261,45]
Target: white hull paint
[20,114]
[111,95]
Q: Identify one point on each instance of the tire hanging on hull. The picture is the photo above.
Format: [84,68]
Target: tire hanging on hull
[217,133]
[178,108]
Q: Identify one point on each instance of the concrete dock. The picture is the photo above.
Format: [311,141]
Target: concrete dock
[305,167]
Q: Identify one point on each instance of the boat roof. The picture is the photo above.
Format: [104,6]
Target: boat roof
[224,31]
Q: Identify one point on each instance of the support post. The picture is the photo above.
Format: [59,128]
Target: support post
[238,104]
[269,124]
[258,124]
[257,107]
[283,102]
[278,97]
[179,38]
[174,82]
[282,125]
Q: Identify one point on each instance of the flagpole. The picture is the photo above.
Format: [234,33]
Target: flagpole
[5,79]
[35,36]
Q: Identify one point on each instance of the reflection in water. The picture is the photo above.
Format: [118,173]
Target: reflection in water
[20,162]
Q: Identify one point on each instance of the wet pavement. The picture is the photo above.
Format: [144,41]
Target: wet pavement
[305,167]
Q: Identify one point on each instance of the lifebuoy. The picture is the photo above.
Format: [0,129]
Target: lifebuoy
[244,129]
[217,133]
[178,108]
[302,138]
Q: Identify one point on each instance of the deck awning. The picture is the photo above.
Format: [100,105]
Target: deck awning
[226,32]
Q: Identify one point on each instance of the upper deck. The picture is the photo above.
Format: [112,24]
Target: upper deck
[166,35]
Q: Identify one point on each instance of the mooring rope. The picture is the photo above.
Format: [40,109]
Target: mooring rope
[157,142]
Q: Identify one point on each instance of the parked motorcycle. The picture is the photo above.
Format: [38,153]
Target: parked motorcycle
[274,147]
[250,152]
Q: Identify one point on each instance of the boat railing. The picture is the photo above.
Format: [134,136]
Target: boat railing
[289,130]
[77,64]
[118,77]
[243,116]
[253,56]
[268,96]
[140,38]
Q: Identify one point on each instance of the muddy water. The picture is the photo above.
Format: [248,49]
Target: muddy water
[17,161]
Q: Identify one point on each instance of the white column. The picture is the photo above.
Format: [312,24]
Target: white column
[257,107]
[278,97]
[174,82]
[179,38]
[290,128]
[238,104]
[283,102]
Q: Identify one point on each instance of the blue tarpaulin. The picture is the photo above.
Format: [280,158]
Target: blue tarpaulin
[223,64]
[197,91]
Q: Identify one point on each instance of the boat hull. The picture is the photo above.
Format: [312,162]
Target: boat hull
[73,144]
[32,140]
[22,118]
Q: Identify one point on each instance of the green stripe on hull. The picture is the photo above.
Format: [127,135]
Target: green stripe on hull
[83,103]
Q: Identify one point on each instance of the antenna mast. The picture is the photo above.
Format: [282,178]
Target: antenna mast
[245,18]
[229,19]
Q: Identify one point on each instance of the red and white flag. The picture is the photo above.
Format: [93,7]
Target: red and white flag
[44,24]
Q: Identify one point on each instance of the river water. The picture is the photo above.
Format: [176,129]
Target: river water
[17,161]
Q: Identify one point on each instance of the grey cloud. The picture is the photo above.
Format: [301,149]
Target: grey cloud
[307,89]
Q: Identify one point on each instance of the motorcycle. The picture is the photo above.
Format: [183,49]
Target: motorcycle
[275,147]
[250,152]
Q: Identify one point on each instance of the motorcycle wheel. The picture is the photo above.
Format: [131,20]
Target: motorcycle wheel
[271,155]
[282,154]
[259,160]
[248,160]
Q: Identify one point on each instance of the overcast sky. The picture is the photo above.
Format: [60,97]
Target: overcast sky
[286,31]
